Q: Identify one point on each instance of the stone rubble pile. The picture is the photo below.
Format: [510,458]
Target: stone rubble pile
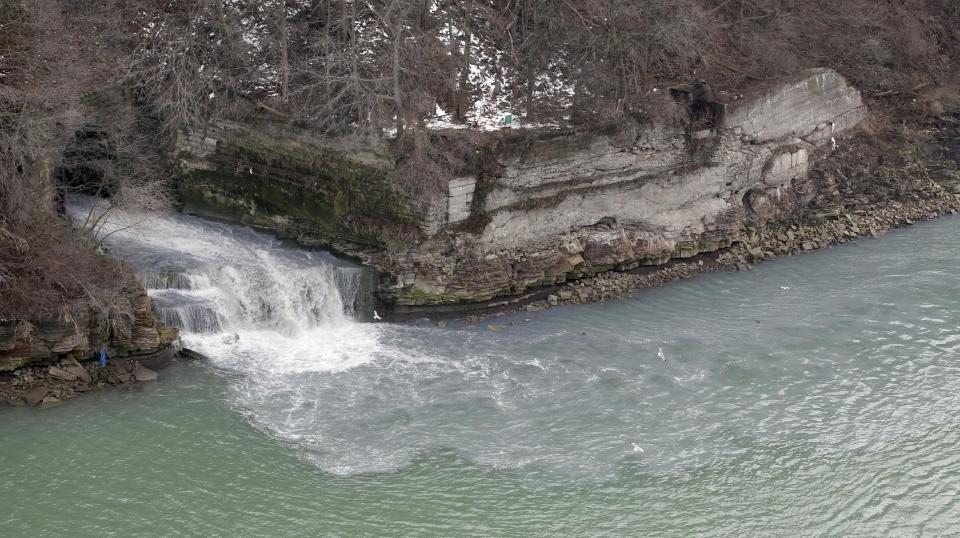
[48,386]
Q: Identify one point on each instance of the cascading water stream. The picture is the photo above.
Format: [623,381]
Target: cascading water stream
[816,394]
[789,361]
[242,297]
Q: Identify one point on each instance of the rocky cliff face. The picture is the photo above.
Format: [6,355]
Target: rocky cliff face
[134,331]
[543,208]
[302,187]
[562,207]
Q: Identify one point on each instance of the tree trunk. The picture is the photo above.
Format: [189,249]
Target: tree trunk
[621,68]
[354,66]
[397,95]
[532,40]
[284,55]
[531,78]
[326,49]
[460,112]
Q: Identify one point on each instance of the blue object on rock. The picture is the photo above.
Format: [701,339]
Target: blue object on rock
[103,356]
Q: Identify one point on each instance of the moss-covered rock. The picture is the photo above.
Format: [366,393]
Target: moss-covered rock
[301,187]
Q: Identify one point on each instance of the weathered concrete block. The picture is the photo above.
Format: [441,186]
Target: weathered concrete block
[458,208]
[785,167]
[462,189]
[462,181]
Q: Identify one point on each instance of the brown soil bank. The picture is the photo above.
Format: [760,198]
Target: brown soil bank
[128,327]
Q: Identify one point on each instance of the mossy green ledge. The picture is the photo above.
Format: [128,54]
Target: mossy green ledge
[279,178]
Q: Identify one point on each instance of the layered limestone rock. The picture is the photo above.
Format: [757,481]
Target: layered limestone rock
[564,206]
[134,331]
[542,208]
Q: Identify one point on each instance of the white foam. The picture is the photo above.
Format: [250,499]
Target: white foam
[286,307]
[268,352]
[356,397]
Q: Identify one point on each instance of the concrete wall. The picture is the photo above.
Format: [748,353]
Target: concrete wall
[460,198]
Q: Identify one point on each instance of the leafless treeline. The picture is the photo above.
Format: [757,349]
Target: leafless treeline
[138,70]
[336,65]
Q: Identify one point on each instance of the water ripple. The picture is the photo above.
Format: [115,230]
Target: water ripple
[814,395]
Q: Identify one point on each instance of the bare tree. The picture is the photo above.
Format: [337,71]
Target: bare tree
[56,81]
[463,85]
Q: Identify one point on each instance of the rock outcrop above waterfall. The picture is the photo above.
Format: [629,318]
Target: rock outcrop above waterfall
[301,186]
[564,206]
[540,209]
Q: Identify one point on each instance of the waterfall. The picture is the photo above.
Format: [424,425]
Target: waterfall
[244,298]
[237,297]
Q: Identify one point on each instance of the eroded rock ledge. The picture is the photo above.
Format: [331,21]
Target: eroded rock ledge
[58,356]
[49,386]
[541,209]
[763,243]
[563,207]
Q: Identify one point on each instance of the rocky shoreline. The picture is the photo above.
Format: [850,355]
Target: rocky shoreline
[50,385]
[814,229]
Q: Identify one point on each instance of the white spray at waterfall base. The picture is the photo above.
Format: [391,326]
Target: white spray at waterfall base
[242,298]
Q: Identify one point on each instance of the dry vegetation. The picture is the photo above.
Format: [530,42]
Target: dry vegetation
[139,70]
[342,66]
[54,76]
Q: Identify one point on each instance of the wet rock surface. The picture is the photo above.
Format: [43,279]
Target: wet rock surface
[815,229]
[49,385]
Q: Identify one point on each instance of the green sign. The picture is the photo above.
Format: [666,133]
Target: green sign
[508,119]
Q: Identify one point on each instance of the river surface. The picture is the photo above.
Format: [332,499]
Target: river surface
[816,395]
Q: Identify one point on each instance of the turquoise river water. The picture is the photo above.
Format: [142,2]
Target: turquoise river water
[816,395]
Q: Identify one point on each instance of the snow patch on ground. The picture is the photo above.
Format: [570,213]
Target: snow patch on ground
[488,79]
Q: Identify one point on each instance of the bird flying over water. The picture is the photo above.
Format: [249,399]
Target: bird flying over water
[376,316]
[660,353]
